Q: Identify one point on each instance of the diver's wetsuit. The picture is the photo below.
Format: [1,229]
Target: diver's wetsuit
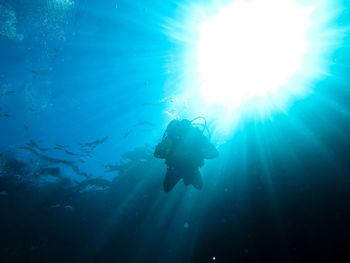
[184,148]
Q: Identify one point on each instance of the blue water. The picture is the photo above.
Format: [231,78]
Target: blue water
[87,89]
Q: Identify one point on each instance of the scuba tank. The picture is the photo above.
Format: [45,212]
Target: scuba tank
[177,127]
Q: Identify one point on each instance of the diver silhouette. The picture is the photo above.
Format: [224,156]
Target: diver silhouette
[184,148]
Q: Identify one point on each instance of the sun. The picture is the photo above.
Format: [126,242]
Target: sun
[251,50]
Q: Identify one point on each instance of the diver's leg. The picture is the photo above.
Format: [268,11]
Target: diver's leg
[171,179]
[187,179]
[197,180]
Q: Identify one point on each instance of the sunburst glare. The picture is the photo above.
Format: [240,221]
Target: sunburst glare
[253,57]
[251,49]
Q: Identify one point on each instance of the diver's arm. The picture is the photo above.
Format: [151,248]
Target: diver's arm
[163,148]
[210,152]
[157,151]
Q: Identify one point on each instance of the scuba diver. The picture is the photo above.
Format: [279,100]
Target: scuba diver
[184,148]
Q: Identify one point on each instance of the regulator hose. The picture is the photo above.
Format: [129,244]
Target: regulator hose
[205,126]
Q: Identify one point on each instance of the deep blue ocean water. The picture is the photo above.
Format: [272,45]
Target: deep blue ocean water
[87,89]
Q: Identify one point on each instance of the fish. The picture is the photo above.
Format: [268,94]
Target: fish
[34,72]
[71,153]
[34,144]
[127,133]
[51,160]
[92,145]
[144,123]
[61,146]
[139,123]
